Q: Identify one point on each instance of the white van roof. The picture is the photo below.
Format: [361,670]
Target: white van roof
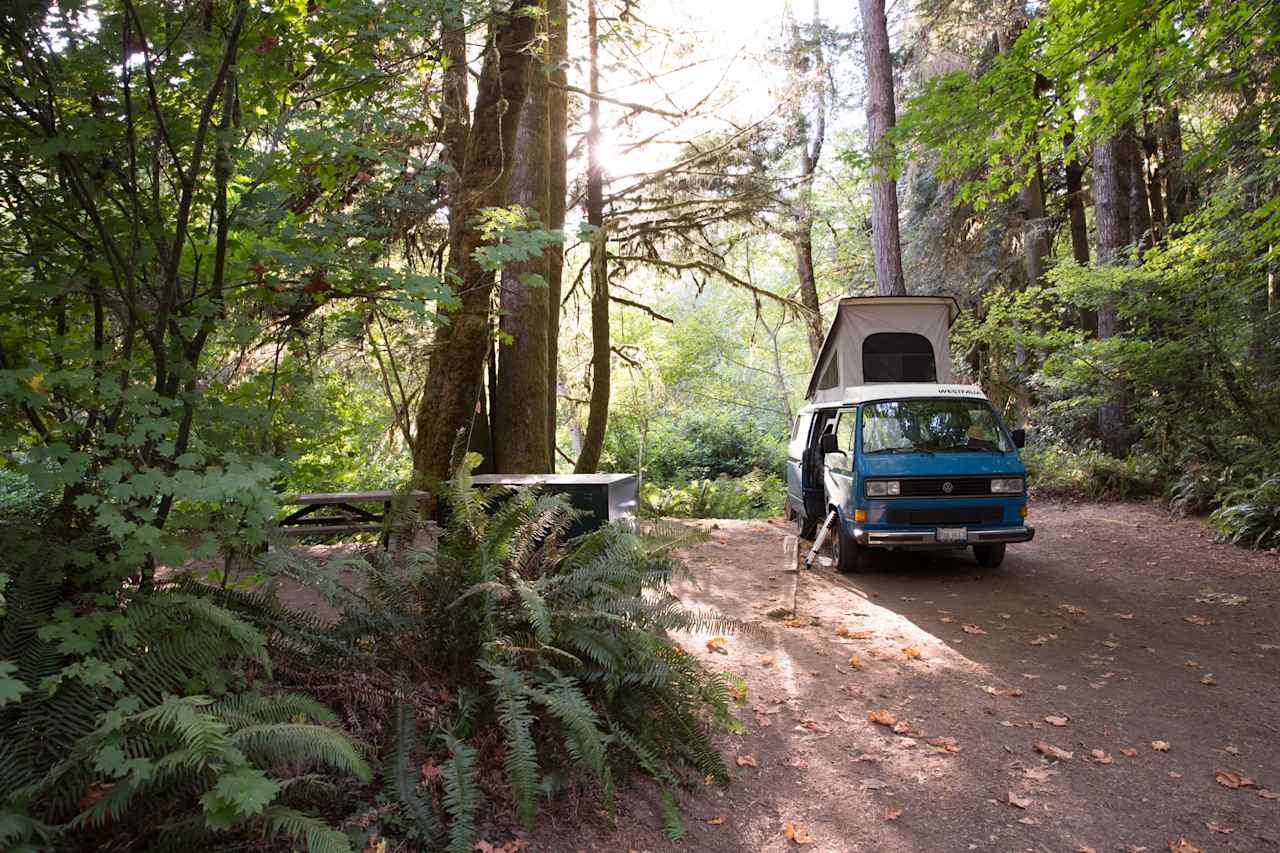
[926,320]
[899,391]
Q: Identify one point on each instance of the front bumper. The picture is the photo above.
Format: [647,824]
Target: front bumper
[928,537]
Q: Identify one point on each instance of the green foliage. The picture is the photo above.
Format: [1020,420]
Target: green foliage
[756,495]
[1090,474]
[699,445]
[1249,512]
[558,651]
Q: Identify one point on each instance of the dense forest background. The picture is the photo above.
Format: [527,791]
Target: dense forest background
[256,248]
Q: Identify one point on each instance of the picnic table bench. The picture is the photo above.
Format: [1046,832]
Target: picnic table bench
[600,497]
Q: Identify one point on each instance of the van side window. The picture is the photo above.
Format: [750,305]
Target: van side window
[799,436]
[845,431]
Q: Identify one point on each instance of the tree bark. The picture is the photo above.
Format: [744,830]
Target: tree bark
[520,401]
[1174,173]
[1035,228]
[558,190]
[1139,203]
[1150,148]
[881,117]
[457,123]
[1111,170]
[598,412]
[802,237]
[455,367]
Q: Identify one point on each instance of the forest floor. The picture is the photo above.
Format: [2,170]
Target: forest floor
[1120,640]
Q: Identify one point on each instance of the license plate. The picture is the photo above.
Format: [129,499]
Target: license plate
[953,534]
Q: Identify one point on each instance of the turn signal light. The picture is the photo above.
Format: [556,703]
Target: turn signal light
[1022,510]
[859,515]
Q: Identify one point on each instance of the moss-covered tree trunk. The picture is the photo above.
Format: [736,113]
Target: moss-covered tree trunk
[1111,171]
[558,190]
[881,117]
[456,365]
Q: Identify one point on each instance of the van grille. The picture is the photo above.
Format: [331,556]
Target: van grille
[934,487]
[944,515]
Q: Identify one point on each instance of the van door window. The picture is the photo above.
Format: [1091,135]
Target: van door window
[799,436]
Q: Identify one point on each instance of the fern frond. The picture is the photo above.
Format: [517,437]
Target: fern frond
[461,795]
[402,771]
[520,762]
[311,832]
[276,743]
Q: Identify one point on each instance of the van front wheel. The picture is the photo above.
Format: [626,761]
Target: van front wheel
[848,556]
[989,556]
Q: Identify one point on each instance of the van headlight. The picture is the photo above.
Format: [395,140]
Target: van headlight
[1011,486]
[883,488]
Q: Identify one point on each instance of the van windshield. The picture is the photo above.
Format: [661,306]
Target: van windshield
[932,426]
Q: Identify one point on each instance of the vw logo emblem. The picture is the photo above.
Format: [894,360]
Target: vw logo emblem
[947,487]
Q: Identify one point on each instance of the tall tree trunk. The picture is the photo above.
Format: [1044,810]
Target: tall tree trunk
[1139,203]
[1074,170]
[810,153]
[1111,170]
[881,117]
[520,402]
[457,123]
[1175,190]
[1151,174]
[558,190]
[455,367]
[1035,227]
[598,412]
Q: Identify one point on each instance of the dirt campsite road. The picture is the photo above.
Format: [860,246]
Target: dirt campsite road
[1119,639]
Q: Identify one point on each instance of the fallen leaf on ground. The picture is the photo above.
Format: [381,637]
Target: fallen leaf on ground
[892,814]
[1046,748]
[766,660]
[945,744]
[1072,609]
[1038,774]
[1213,826]
[798,834]
[842,631]
[1208,678]
[1229,599]
[855,662]
[861,635]
[762,721]
[1029,821]
[911,652]
[1005,615]
[973,629]
[1013,691]
[716,821]
[873,784]
[1182,845]
[1056,721]
[717,644]
[1268,795]
[1231,779]
[1196,619]
[1129,751]
[1040,641]
[1194,664]
[1160,745]
[795,622]
[1019,802]
[747,761]
[947,619]
[1123,615]
[882,717]
[1101,757]
[1231,749]
[902,727]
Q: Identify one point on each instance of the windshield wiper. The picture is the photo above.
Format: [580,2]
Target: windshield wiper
[908,449]
[968,447]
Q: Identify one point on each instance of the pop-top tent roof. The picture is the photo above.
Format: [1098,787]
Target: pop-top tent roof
[884,339]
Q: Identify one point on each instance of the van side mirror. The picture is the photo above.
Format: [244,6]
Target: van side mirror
[1019,438]
[828,443]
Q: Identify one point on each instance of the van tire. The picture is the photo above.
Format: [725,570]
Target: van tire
[989,556]
[850,557]
[804,525]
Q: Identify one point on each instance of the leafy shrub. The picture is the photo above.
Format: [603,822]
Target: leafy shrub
[1249,512]
[756,495]
[699,446]
[499,639]
[106,725]
[1088,473]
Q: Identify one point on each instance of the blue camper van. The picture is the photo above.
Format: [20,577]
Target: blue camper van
[904,457]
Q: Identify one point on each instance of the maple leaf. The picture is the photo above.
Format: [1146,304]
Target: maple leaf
[1195,619]
[1101,757]
[1160,745]
[717,644]
[1046,748]
[882,717]
[855,662]
[747,761]
[1019,802]
[892,814]
[1129,751]
[973,629]
[1208,679]
[911,652]
[1056,721]
[1231,779]
[798,834]
[766,660]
